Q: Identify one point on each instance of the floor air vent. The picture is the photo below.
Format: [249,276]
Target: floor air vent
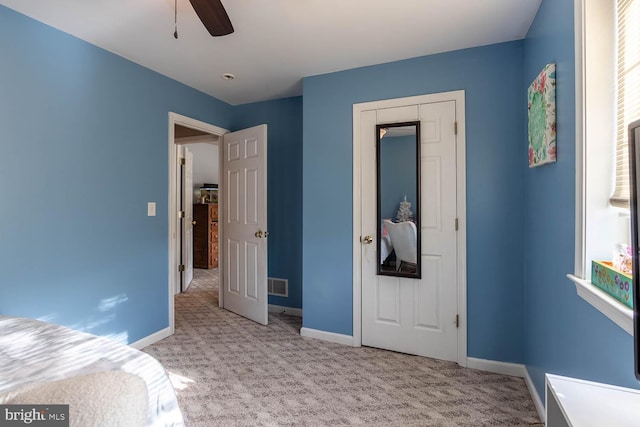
[279,287]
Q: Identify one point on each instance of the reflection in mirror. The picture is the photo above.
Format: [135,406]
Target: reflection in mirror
[398,242]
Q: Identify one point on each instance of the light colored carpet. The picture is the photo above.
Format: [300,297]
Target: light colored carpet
[229,371]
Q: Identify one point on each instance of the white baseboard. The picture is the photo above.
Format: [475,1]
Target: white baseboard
[153,338]
[327,336]
[285,310]
[533,391]
[504,368]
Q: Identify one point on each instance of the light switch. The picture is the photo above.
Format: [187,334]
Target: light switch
[151,209]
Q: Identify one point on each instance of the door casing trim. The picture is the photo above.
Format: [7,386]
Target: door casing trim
[172,205]
[461,207]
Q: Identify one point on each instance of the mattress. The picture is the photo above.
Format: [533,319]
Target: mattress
[32,351]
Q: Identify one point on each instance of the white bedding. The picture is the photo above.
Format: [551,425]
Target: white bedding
[33,352]
[385,248]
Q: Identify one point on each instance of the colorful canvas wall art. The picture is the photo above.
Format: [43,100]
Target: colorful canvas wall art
[542,117]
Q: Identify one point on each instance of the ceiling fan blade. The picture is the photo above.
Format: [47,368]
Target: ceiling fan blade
[213,16]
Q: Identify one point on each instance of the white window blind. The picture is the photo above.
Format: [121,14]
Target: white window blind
[628,93]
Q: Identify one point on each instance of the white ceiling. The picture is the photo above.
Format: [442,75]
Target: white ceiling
[277,42]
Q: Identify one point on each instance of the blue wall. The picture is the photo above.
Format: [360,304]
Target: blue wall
[397,174]
[84,148]
[492,79]
[284,186]
[563,333]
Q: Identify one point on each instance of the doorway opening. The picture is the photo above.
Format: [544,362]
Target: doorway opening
[192,143]
[197,186]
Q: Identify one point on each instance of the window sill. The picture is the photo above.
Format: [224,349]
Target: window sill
[610,307]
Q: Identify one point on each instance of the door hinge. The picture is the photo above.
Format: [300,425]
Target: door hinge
[457,320]
[181,268]
[180,214]
[456,224]
[455,128]
[182,160]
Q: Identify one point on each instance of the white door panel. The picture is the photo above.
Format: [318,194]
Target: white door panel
[187,223]
[408,113]
[427,296]
[252,281]
[233,270]
[430,186]
[388,300]
[251,197]
[415,316]
[245,243]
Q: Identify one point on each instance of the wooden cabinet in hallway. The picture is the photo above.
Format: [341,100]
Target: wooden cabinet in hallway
[205,235]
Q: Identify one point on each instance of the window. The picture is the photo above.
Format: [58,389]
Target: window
[628,91]
[605,70]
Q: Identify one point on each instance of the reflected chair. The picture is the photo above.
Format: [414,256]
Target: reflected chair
[404,239]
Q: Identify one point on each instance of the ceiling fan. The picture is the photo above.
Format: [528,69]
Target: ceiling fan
[213,16]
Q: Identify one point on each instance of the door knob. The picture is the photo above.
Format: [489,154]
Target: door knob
[366,240]
[258,234]
[193,223]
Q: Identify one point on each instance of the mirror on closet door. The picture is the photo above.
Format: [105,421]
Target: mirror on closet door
[398,187]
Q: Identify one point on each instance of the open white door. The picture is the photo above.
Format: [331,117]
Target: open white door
[244,164]
[187,223]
